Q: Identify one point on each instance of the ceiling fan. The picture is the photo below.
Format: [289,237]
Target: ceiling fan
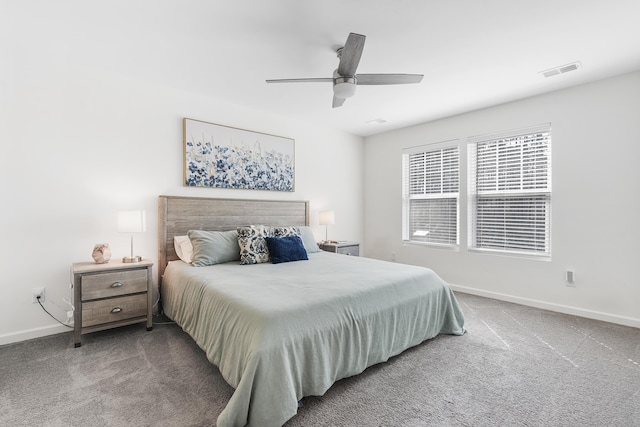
[345,78]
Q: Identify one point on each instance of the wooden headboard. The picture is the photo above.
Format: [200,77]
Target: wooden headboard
[177,215]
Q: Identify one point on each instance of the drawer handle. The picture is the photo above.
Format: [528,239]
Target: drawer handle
[116,284]
[116,310]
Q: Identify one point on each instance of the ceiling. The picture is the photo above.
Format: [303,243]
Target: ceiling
[473,54]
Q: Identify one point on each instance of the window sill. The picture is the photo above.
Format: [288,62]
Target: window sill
[431,245]
[511,254]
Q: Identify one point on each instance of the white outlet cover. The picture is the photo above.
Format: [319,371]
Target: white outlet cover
[38,291]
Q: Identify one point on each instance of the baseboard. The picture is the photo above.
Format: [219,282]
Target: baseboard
[33,333]
[589,314]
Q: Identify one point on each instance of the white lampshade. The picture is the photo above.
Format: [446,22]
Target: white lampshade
[327,218]
[132,222]
[344,86]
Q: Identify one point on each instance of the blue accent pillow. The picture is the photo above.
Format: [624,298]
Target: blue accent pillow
[286,249]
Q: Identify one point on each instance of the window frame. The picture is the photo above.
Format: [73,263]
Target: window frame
[523,187]
[442,195]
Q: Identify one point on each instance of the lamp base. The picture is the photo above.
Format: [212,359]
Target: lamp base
[129,259]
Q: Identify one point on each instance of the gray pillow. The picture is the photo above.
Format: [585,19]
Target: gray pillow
[308,240]
[213,247]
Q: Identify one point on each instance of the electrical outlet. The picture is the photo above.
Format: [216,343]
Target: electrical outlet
[570,277]
[393,256]
[37,292]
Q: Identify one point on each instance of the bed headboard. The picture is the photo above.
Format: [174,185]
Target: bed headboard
[177,215]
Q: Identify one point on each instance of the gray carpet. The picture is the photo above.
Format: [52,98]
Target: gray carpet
[516,366]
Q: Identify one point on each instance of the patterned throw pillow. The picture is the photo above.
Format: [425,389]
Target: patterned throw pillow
[253,246]
[305,233]
[285,231]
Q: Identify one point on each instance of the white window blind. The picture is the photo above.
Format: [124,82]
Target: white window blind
[430,194]
[510,189]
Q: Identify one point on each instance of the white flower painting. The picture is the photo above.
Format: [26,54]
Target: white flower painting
[225,157]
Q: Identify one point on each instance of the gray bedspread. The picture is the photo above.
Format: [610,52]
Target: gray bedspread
[279,332]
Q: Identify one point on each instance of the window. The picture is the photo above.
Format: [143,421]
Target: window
[510,190]
[430,194]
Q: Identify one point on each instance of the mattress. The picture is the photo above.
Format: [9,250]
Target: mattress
[279,332]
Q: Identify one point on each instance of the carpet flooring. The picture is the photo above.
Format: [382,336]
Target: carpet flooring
[516,366]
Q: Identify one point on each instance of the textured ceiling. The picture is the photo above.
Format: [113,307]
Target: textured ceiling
[473,54]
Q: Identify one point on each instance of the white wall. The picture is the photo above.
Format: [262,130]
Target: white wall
[595,202]
[80,144]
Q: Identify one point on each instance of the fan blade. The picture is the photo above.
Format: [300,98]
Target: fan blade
[388,79]
[311,80]
[337,102]
[351,53]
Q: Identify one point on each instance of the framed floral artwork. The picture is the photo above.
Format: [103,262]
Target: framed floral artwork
[225,157]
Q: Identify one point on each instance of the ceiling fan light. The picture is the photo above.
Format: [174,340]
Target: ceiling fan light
[344,87]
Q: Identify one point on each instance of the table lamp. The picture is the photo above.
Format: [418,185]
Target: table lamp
[132,222]
[326,218]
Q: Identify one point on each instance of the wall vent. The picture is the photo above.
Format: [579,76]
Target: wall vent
[561,70]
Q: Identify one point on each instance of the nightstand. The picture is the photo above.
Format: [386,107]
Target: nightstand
[111,295]
[345,248]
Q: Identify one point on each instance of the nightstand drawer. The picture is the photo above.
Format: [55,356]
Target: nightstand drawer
[353,250]
[105,285]
[113,309]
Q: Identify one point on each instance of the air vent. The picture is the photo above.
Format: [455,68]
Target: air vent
[561,70]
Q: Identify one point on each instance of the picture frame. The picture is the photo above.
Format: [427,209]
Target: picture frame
[218,156]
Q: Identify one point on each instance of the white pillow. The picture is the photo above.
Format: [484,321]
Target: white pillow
[184,248]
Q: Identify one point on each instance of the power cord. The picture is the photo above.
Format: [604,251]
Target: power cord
[45,310]
[170,322]
[69,326]
[162,320]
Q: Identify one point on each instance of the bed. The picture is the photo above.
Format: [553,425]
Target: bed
[280,332]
